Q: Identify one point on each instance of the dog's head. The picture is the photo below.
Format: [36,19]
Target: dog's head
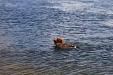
[58,40]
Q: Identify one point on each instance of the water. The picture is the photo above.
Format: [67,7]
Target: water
[27,28]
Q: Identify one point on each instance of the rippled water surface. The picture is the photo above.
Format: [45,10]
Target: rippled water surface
[27,28]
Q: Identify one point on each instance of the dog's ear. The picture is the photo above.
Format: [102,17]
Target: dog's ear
[55,41]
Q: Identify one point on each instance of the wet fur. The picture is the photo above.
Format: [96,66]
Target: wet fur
[60,43]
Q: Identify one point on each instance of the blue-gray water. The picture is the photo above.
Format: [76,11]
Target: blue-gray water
[27,28]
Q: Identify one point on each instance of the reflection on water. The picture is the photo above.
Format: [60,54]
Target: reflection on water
[28,27]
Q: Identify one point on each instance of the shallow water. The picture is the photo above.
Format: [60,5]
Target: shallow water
[28,27]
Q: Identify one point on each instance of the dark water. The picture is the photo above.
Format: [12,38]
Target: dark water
[27,28]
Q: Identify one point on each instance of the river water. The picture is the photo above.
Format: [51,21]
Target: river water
[27,28]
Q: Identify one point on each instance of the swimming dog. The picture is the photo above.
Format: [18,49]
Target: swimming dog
[60,43]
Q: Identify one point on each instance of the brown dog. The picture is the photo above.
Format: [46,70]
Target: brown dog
[60,43]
